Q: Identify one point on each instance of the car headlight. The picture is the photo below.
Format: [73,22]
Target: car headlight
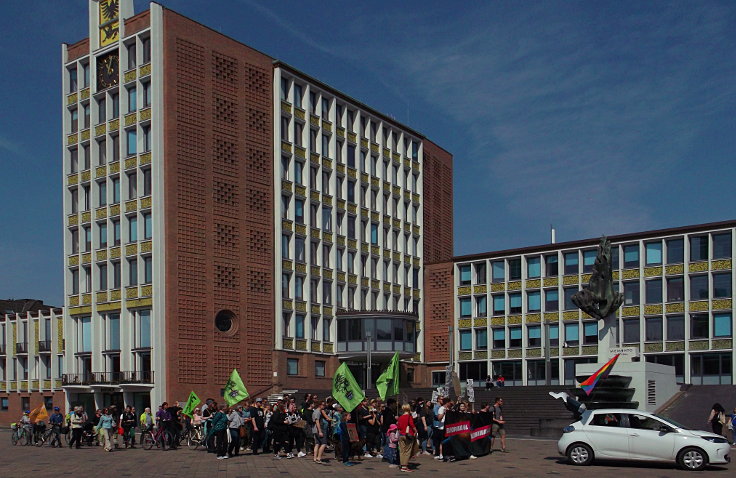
[568,429]
[715,439]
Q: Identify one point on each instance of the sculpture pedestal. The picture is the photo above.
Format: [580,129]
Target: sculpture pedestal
[653,384]
[607,333]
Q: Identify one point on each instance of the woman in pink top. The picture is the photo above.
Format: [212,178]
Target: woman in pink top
[408,446]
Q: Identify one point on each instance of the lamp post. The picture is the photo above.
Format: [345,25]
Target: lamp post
[547,359]
[368,335]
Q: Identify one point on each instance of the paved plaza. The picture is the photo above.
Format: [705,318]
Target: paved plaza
[526,458]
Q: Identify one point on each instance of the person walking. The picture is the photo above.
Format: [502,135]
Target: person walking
[55,422]
[218,430]
[498,428]
[320,435]
[717,418]
[258,422]
[77,422]
[105,426]
[438,427]
[279,426]
[407,437]
[235,421]
[128,421]
[295,432]
[146,420]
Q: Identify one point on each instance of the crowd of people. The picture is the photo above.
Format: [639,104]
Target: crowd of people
[288,428]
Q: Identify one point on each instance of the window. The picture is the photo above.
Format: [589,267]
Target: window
[146,182]
[515,303]
[113,332]
[551,300]
[590,333]
[374,234]
[298,172]
[74,120]
[73,85]
[326,335]
[698,326]
[554,335]
[147,270]
[292,366]
[675,289]
[132,100]
[102,194]
[675,251]
[676,327]
[115,98]
[653,253]
[653,329]
[85,155]
[299,211]
[465,275]
[698,287]
[327,293]
[85,110]
[631,293]
[480,267]
[722,285]
[299,326]
[75,281]
[146,50]
[285,246]
[533,268]
[132,229]
[315,328]
[75,240]
[147,226]
[131,56]
[653,291]
[115,147]
[588,260]
[465,307]
[481,339]
[116,275]
[481,306]
[569,292]
[146,94]
[571,263]
[550,265]
[631,256]
[572,335]
[115,190]
[74,200]
[699,248]
[466,340]
[515,268]
[631,331]
[327,219]
[102,272]
[319,368]
[133,272]
[116,232]
[299,288]
[534,336]
[498,270]
[721,325]
[132,142]
[514,337]
[499,304]
[146,138]
[298,97]
[143,329]
[285,279]
[722,245]
[499,338]
[73,160]
[84,334]
[87,238]
[534,301]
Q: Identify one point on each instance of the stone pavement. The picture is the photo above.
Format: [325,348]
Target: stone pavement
[527,458]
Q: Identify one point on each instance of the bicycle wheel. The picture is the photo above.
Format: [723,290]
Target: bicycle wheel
[14,437]
[67,438]
[147,440]
[166,440]
[193,440]
[23,439]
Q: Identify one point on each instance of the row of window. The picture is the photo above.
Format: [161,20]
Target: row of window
[654,331]
[18,368]
[701,248]
[137,325]
[132,147]
[511,303]
[107,236]
[22,332]
[292,367]
[293,92]
[109,275]
[80,120]
[298,331]
[108,190]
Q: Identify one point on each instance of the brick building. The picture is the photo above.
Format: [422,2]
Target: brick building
[198,174]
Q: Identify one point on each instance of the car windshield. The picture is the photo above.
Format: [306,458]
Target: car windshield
[672,422]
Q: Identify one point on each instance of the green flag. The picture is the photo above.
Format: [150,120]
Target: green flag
[235,391]
[345,389]
[388,382]
[192,403]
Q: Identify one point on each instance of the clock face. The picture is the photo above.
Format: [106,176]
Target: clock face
[108,73]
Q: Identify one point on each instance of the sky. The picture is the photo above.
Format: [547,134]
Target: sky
[595,117]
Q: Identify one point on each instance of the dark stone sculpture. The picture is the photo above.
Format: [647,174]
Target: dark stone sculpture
[598,298]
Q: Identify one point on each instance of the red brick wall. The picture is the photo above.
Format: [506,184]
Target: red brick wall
[137,23]
[219,209]
[14,411]
[78,50]
[438,209]
[438,310]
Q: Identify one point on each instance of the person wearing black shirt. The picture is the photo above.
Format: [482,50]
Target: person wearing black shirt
[258,423]
[128,424]
[174,426]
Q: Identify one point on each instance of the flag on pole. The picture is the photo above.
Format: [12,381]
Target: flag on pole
[235,391]
[345,389]
[589,384]
[388,381]
[39,414]
[191,404]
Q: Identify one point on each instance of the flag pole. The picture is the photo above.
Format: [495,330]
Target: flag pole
[368,335]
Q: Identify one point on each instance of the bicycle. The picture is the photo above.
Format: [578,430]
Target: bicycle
[19,435]
[47,437]
[195,437]
[159,437]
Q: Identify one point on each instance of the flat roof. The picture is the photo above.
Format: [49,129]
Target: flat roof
[595,240]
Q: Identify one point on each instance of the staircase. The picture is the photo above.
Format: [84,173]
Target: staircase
[693,405]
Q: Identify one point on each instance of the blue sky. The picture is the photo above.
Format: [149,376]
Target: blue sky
[597,117]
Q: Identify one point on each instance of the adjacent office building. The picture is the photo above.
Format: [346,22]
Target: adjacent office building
[223,209]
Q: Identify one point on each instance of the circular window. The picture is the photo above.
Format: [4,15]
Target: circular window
[225,322]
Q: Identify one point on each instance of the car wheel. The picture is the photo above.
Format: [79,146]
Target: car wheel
[692,459]
[580,454]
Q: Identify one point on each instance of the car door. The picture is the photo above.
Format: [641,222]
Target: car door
[606,435]
[646,439]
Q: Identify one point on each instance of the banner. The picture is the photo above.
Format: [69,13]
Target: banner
[235,390]
[470,432]
[345,389]
[191,404]
[39,414]
[388,381]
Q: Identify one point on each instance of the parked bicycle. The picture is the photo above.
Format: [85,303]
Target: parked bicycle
[193,437]
[159,437]
[47,437]
[20,435]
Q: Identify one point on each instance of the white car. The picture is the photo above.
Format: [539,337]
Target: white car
[621,434]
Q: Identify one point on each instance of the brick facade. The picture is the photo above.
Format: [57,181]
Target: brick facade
[438,310]
[218,209]
[438,205]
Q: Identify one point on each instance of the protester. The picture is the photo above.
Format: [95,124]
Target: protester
[279,426]
[56,420]
[218,430]
[128,420]
[258,424]
[498,424]
[438,427]
[320,437]
[235,421]
[408,447]
[105,425]
[717,418]
[295,431]
[146,420]
[77,420]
